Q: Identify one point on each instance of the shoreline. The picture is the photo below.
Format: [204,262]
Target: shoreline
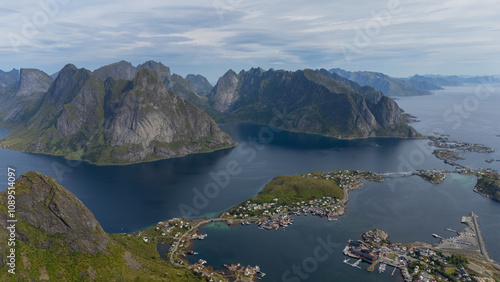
[117,164]
[185,242]
[464,254]
[421,137]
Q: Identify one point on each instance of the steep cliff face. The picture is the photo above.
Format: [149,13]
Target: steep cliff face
[24,98]
[58,239]
[44,204]
[142,116]
[173,82]
[226,92]
[8,79]
[311,101]
[116,121]
[33,82]
[200,84]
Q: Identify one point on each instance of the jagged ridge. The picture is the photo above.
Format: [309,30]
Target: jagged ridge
[312,101]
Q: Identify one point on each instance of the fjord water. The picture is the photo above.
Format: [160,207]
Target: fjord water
[409,210]
[129,198]
[468,113]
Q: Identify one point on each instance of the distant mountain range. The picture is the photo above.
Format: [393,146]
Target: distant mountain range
[390,86]
[411,86]
[122,113]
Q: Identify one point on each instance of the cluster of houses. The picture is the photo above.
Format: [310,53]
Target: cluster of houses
[281,220]
[432,175]
[326,206]
[247,271]
[416,264]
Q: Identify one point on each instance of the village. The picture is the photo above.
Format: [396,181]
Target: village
[433,175]
[277,214]
[417,262]
[452,259]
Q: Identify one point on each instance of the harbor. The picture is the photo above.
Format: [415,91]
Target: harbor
[424,262]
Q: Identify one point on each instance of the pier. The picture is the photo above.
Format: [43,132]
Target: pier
[356,264]
[372,266]
[480,241]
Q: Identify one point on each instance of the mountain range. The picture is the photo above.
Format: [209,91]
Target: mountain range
[313,101]
[112,121]
[120,113]
[410,86]
[390,86]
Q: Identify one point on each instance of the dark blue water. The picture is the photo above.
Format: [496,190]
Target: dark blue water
[129,198]
[409,210]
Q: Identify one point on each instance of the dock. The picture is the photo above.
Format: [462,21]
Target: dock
[372,266]
[356,264]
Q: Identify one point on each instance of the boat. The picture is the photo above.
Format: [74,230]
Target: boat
[202,261]
[382,267]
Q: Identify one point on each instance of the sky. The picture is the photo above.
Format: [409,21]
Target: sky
[397,37]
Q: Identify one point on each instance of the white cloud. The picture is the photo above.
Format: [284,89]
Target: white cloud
[242,34]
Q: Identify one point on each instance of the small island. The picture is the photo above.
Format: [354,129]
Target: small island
[445,143]
[448,156]
[488,184]
[433,176]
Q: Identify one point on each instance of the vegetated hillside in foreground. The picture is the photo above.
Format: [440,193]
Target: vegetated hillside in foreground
[58,239]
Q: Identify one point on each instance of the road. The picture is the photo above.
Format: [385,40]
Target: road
[176,245]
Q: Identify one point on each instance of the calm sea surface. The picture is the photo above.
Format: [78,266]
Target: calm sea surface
[130,198]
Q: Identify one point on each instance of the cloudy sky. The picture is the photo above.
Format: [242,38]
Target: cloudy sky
[397,37]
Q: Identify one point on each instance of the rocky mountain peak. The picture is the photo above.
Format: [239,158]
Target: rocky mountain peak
[119,70]
[46,205]
[200,84]
[315,101]
[225,92]
[68,84]
[148,80]
[33,81]
[162,70]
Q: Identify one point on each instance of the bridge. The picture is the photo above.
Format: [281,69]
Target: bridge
[396,174]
